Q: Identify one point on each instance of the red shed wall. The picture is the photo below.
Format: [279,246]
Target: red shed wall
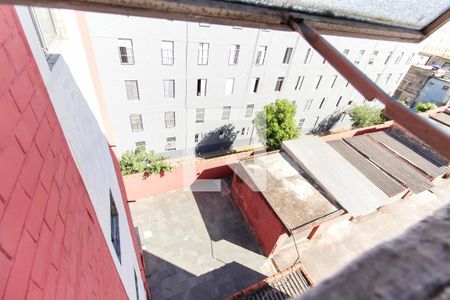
[258,213]
[51,244]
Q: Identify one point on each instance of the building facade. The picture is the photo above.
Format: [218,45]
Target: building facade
[436,90]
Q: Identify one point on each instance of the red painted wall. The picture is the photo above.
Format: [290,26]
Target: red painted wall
[258,213]
[51,244]
[137,186]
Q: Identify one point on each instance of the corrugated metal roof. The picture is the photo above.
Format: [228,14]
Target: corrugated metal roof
[388,185]
[421,161]
[354,192]
[443,117]
[390,163]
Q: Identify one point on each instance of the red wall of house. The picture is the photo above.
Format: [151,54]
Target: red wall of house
[51,244]
[265,223]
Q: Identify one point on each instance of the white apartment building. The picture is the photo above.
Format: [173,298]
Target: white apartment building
[170,84]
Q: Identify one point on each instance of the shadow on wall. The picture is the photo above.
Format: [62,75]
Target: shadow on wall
[328,123]
[220,139]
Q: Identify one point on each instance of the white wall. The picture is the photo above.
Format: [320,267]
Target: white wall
[73,97]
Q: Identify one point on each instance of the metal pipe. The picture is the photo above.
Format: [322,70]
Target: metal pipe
[415,123]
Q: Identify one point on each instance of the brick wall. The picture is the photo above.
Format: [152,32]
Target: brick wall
[51,244]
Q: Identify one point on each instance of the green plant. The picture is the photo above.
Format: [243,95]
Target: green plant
[365,115]
[276,123]
[138,161]
[422,107]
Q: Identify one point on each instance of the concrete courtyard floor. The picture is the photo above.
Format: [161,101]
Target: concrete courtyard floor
[334,248]
[197,245]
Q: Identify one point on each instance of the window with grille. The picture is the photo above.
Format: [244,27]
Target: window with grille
[300,123]
[167,53]
[255,84]
[200,115]
[249,110]
[388,58]
[140,144]
[229,86]
[388,77]
[360,55]
[308,105]
[318,80]
[169,88]
[377,78]
[408,61]
[287,55]
[132,89]
[279,84]
[322,103]
[226,112]
[316,122]
[399,58]
[201,87]
[373,56]
[299,83]
[171,143]
[333,81]
[126,52]
[261,55]
[343,117]
[234,54]
[115,232]
[136,122]
[203,53]
[339,101]
[170,119]
[346,52]
[308,56]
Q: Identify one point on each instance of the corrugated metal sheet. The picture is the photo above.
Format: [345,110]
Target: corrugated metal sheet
[421,161]
[388,185]
[350,188]
[390,163]
[442,117]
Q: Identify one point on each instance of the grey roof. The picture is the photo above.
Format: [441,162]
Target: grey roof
[443,118]
[291,196]
[404,150]
[390,163]
[387,184]
[349,187]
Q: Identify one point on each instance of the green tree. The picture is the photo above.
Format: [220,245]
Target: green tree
[276,123]
[138,161]
[422,107]
[365,115]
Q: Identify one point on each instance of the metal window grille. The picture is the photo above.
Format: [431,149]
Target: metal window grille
[167,53]
[203,53]
[279,84]
[169,88]
[171,143]
[132,89]
[287,56]
[136,122]
[126,51]
[261,55]
[234,54]
[170,119]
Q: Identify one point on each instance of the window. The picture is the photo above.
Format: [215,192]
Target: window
[324,61]
[132,89]
[346,85]
[287,56]
[399,77]
[300,123]
[279,84]
[360,55]
[339,101]
[308,105]
[169,88]
[299,83]
[445,88]
[171,143]
[388,58]
[204,24]
[377,78]
[197,137]
[408,61]
[430,83]
[346,52]
[315,122]
[167,53]
[115,232]
[44,24]
[350,102]
[388,77]
[399,58]
[234,54]
[343,117]
[255,85]
[318,80]
[372,57]
[203,53]
[200,115]
[322,103]
[140,144]
[229,86]
[261,55]
[333,81]
[308,56]
[136,122]
[170,119]
[201,87]
[136,285]
[249,110]
[226,112]
[126,52]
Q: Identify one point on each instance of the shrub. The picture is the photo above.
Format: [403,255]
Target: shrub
[138,161]
[276,123]
[422,107]
[366,115]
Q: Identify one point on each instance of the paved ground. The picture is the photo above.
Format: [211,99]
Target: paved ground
[197,245]
[333,249]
